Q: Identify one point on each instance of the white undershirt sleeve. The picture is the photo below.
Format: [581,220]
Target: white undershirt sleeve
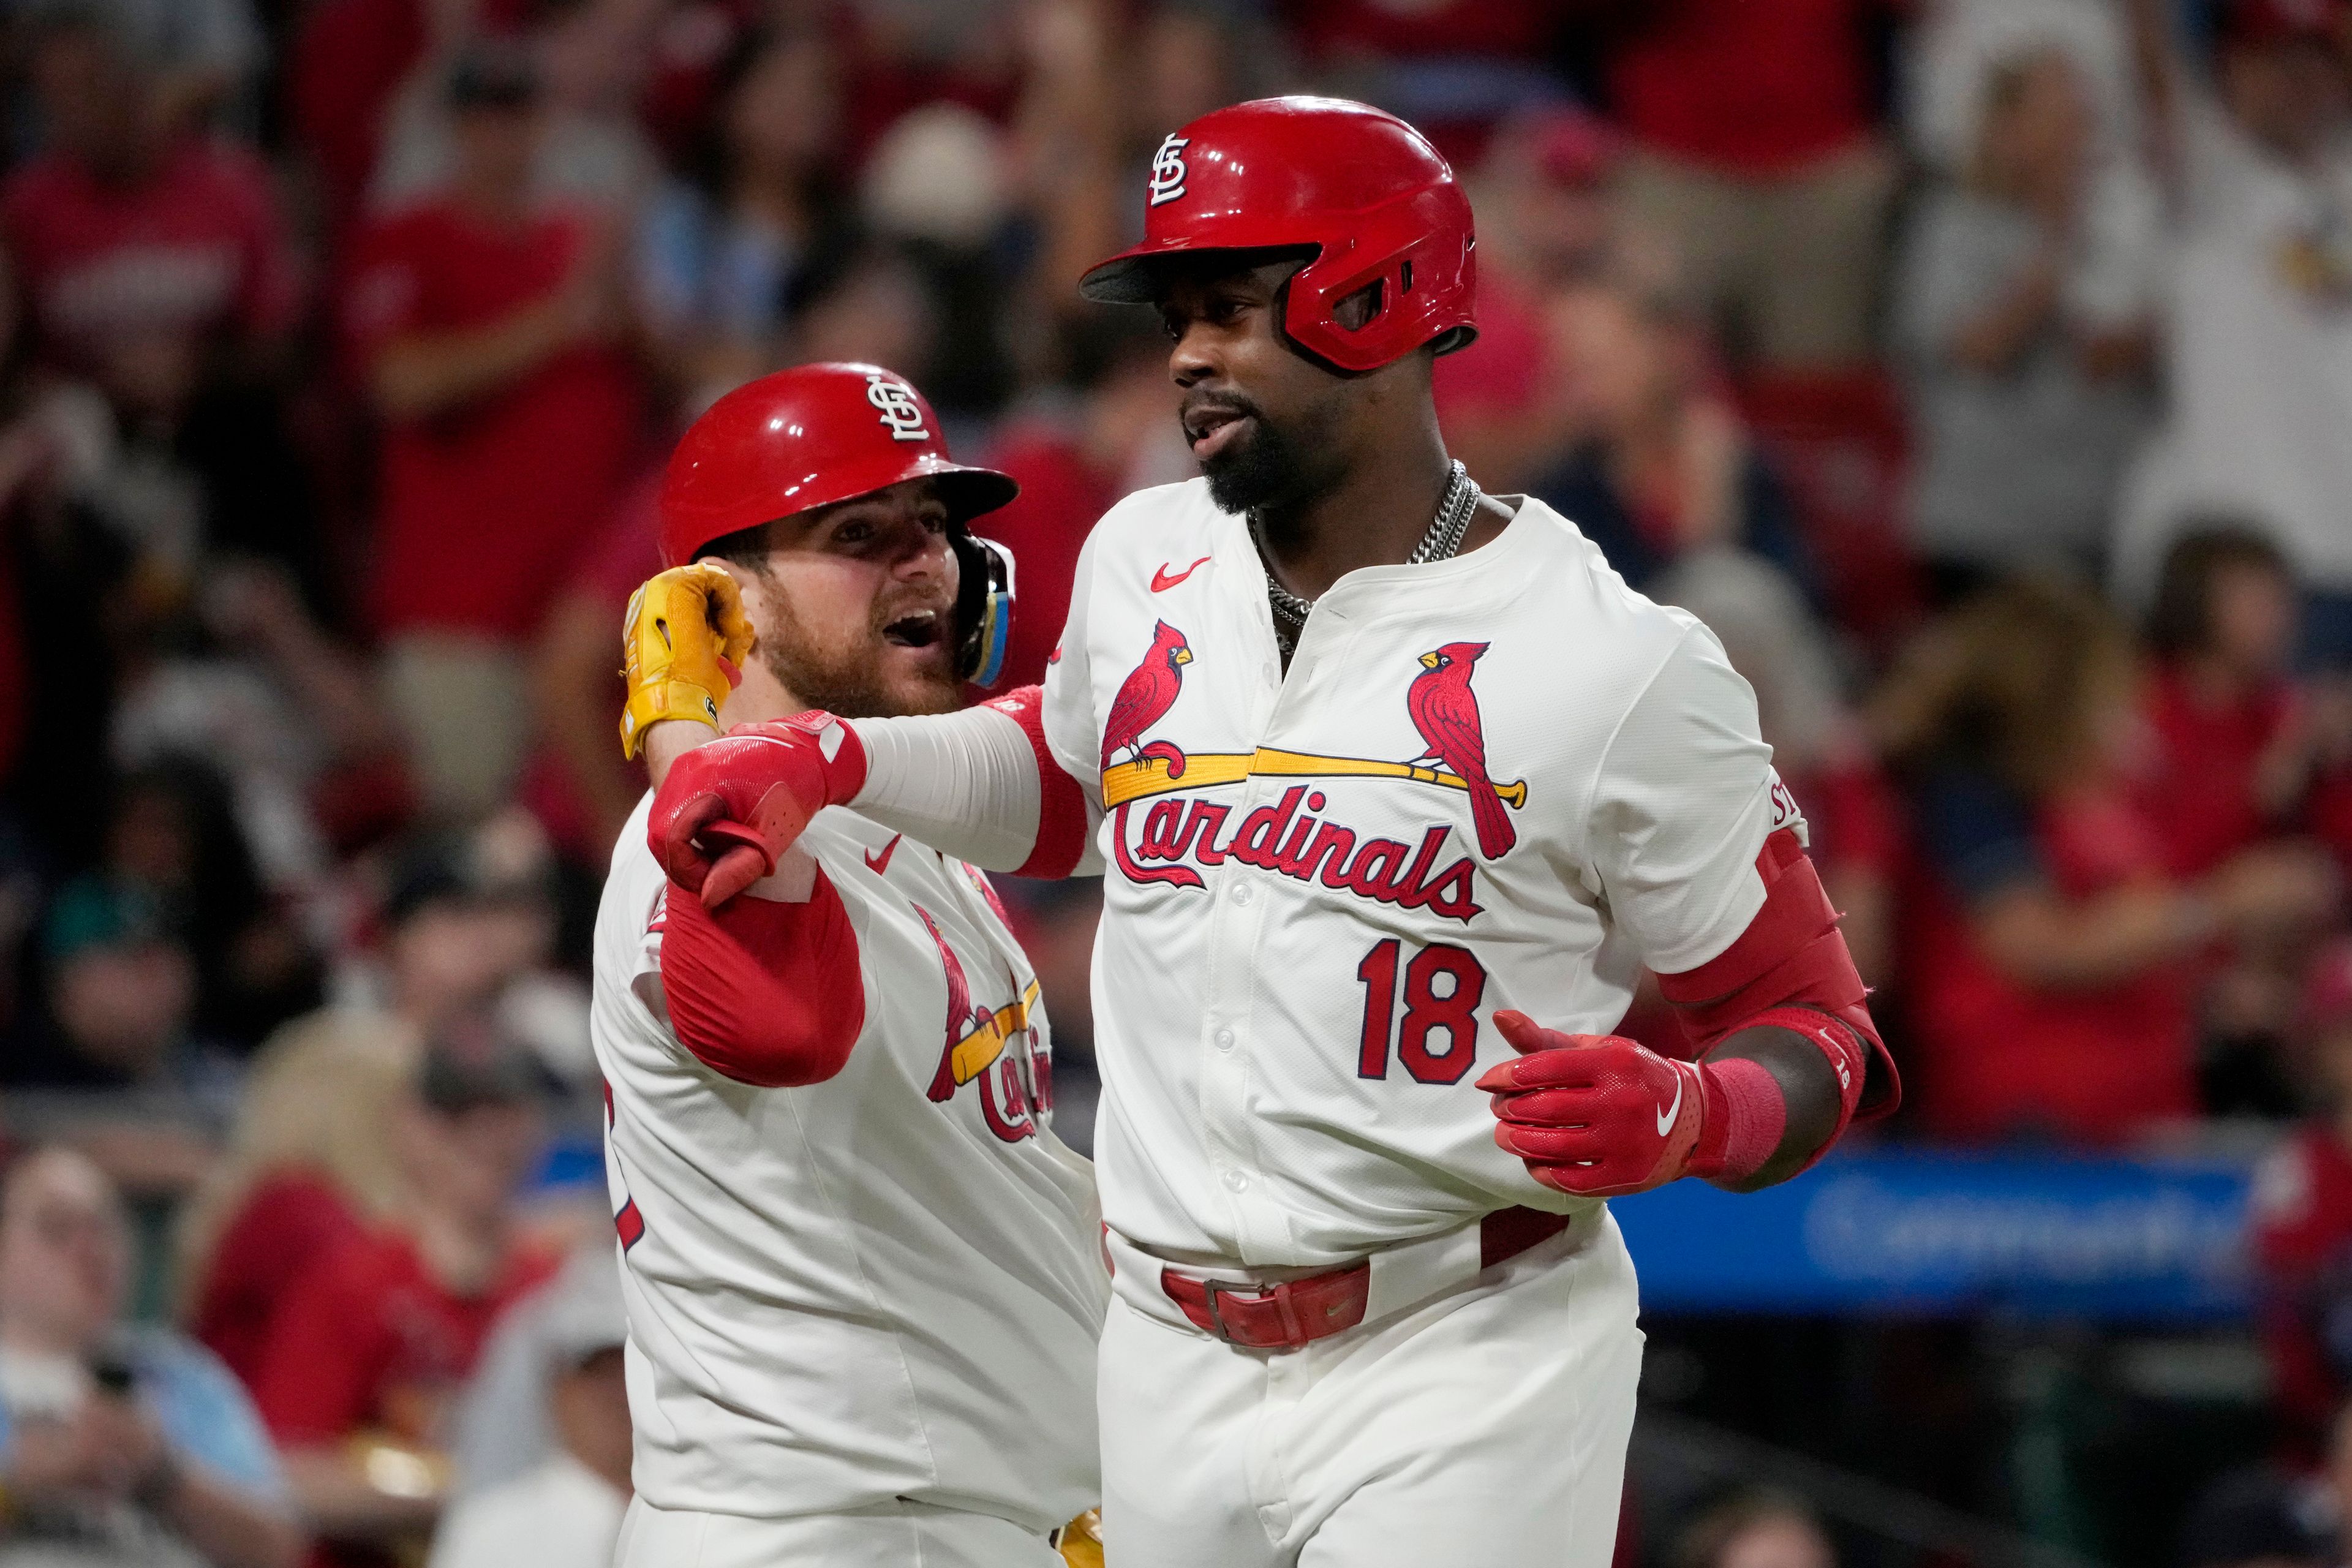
[966,784]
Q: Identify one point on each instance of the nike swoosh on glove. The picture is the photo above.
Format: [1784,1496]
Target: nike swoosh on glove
[1600,1115]
[729,808]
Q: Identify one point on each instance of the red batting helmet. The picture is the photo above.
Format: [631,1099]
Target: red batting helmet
[1358,187]
[818,434]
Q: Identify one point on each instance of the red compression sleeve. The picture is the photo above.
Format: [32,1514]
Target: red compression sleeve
[764,993]
[1061,804]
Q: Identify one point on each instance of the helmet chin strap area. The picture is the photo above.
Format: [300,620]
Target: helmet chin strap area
[983,605]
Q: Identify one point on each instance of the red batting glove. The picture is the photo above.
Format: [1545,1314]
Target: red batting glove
[729,807]
[1599,1115]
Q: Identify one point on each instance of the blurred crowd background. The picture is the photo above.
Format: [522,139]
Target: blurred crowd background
[1980,369]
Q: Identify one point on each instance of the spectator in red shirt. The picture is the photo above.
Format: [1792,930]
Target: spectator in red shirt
[2047,963]
[488,328]
[152,263]
[2231,747]
[310,1166]
[1757,152]
[142,257]
[314,1157]
[2236,749]
[370,1346]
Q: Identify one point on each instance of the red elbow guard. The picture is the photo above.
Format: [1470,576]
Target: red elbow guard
[1790,969]
[770,994]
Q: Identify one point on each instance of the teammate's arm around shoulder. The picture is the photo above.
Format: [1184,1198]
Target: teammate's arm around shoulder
[1700,851]
[983,785]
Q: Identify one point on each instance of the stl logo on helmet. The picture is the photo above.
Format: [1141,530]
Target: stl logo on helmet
[1168,170]
[901,415]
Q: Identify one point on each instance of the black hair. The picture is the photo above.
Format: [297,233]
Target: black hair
[2180,621]
[708,161]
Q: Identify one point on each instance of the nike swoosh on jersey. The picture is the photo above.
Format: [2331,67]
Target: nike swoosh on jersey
[1161,581]
[1674,1108]
[878,864]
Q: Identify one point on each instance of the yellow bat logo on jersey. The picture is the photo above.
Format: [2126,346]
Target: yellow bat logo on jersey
[1281,837]
[977,1041]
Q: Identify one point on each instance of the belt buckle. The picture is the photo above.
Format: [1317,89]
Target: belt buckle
[1293,1334]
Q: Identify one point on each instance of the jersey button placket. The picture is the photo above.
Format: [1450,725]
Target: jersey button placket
[1226,1072]
[1236,918]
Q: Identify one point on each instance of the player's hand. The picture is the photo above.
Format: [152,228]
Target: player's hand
[728,809]
[683,642]
[1594,1115]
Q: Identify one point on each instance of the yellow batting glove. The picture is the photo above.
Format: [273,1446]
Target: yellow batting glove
[1081,1541]
[683,641]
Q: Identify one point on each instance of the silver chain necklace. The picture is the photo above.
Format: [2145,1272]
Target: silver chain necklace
[1440,543]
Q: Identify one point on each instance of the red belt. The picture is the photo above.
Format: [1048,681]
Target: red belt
[1298,1311]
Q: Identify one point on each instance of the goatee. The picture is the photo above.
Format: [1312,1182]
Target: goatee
[1263,467]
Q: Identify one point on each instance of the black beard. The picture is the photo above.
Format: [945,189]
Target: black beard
[1274,469]
[1257,471]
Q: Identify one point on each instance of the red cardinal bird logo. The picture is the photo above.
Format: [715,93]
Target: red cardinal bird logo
[964,1015]
[1144,698]
[1445,711]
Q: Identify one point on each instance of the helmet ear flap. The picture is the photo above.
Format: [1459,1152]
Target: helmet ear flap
[983,605]
[1414,272]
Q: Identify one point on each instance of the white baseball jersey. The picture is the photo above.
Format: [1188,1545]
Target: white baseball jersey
[886,1285]
[1504,780]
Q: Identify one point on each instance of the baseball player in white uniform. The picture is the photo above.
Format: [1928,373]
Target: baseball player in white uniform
[864,1279]
[1398,789]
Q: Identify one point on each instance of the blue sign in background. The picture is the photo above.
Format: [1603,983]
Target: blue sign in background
[1921,1232]
[1910,1231]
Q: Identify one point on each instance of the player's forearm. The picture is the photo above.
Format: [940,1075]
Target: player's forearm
[979,785]
[2038,939]
[964,783]
[337,1498]
[420,376]
[227,1527]
[1811,1110]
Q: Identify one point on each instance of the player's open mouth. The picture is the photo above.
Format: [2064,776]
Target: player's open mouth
[923,628]
[1212,430]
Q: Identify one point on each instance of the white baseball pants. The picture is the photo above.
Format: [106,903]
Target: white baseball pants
[1488,1425]
[895,1535]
